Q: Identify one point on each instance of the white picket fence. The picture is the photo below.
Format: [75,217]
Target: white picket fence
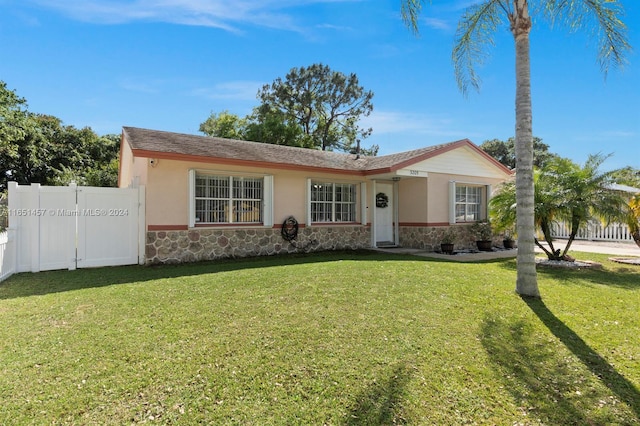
[595,231]
[69,227]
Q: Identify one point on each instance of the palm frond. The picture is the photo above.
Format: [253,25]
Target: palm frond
[503,207]
[475,32]
[410,11]
[602,18]
[633,218]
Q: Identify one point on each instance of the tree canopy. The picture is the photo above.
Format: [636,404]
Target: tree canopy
[224,125]
[505,151]
[39,148]
[312,107]
[628,176]
[13,120]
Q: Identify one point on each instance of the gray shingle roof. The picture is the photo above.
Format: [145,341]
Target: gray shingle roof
[146,143]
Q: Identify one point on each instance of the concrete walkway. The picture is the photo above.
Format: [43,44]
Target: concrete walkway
[615,249]
[604,247]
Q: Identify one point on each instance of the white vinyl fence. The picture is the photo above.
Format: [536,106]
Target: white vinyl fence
[595,231]
[7,254]
[69,227]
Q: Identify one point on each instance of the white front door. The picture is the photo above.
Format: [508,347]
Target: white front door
[384,214]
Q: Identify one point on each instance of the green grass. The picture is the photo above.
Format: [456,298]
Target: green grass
[335,338]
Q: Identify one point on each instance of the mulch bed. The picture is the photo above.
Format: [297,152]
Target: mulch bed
[626,260]
[576,264]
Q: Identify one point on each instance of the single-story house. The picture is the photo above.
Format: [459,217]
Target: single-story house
[209,198]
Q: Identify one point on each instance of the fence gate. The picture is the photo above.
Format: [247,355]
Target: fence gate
[76,227]
[108,229]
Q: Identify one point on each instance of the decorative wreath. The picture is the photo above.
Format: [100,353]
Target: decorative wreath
[382,200]
[289,229]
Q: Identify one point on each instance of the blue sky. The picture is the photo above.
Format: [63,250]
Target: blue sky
[167,64]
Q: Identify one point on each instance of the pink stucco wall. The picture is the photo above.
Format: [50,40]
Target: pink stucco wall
[425,201]
[421,201]
[167,189]
[131,167]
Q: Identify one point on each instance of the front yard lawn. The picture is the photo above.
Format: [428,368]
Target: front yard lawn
[333,338]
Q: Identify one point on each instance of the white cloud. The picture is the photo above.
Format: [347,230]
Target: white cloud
[438,24]
[335,27]
[235,90]
[396,122]
[396,131]
[464,4]
[224,14]
[610,136]
[618,134]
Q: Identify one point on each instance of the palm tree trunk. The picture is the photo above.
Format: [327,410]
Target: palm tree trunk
[634,218]
[548,237]
[544,249]
[575,227]
[634,229]
[527,280]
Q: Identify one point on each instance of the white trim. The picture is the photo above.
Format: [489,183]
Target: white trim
[488,191]
[468,183]
[330,179]
[308,203]
[483,213]
[414,173]
[396,213]
[452,202]
[395,207]
[363,203]
[227,173]
[374,216]
[192,198]
[266,206]
[267,201]
[352,184]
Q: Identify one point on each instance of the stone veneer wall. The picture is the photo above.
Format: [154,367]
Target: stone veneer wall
[209,244]
[429,237]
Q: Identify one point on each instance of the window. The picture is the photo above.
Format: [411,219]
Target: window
[228,199]
[468,203]
[333,202]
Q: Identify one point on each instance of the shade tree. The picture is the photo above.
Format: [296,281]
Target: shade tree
[311,107]
[505,151]
[39,148]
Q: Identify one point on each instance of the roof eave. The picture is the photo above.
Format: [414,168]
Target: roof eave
[238,162]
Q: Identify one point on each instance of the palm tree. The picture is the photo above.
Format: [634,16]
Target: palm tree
[584,193]
[566,192]
[503,210]
[475,31]
[633,218]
